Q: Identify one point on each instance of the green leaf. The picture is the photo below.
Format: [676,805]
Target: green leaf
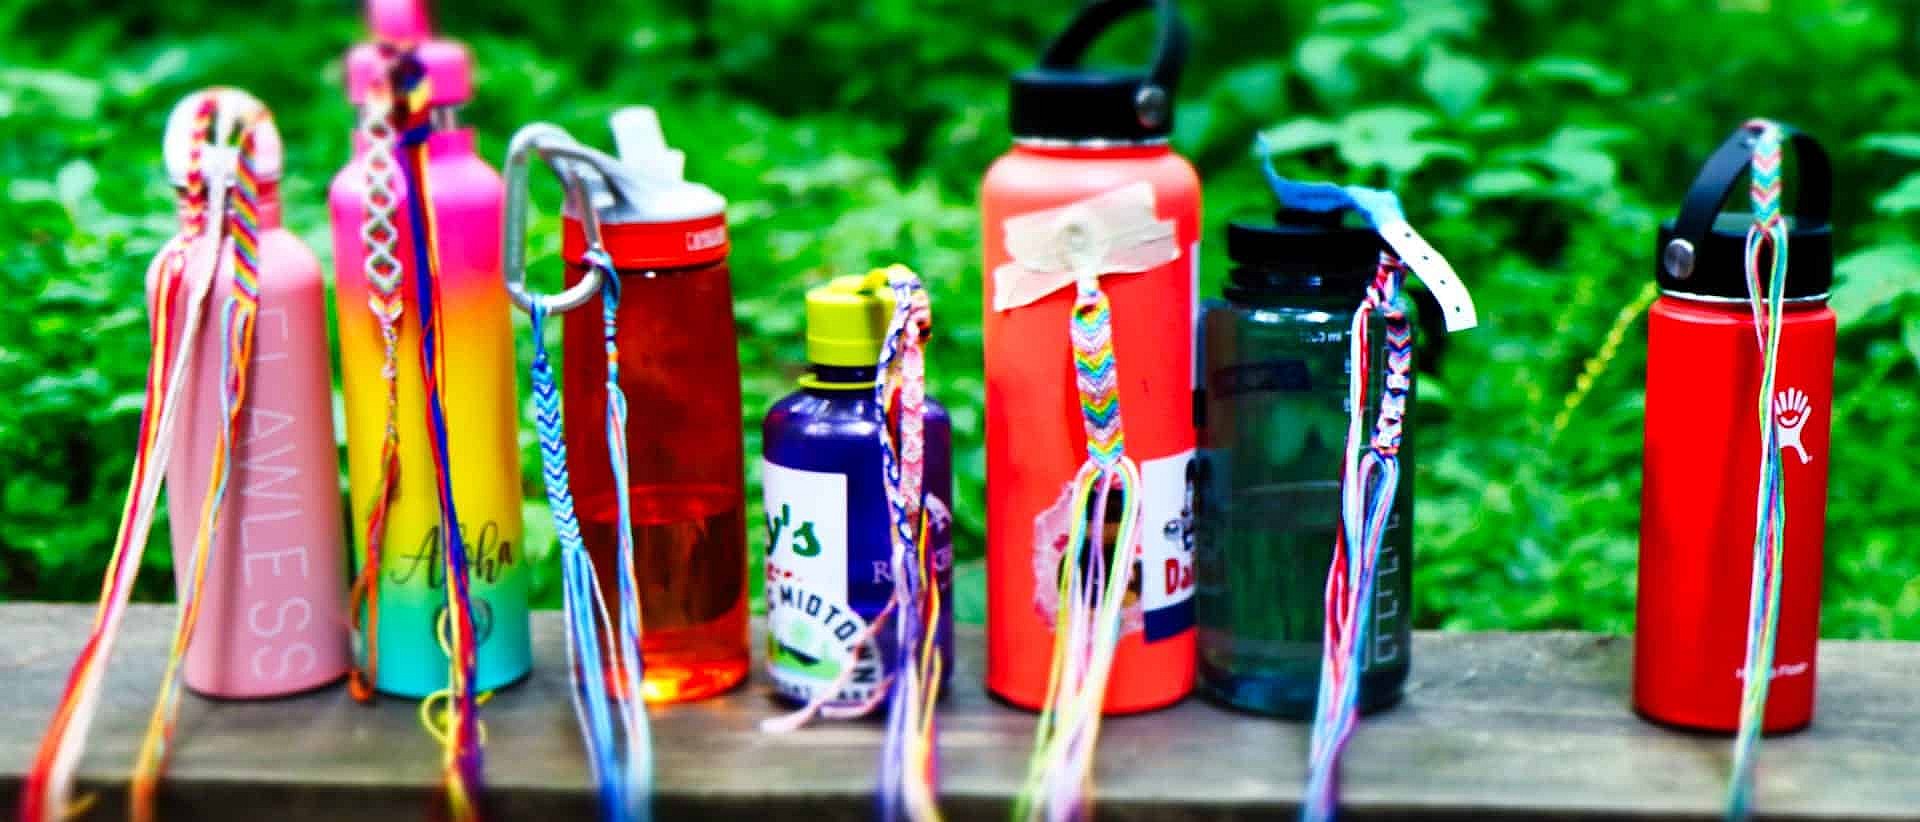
[1390,124]
[970,592]
[1259,88]
[1455,83]
[1350,15]
[1601,81]
[1873,278]
[1296,136]
[75,182]
[1904,197]
[1910,334]
[1386,138]
[1503,182]
[73,96]
[537,538]
[1323,61]
[1902,145]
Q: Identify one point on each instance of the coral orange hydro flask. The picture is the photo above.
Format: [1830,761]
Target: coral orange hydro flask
[1091,195]
[1705,449]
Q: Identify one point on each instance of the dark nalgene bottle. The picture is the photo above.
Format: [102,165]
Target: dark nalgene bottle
[829,551]
[1274,432]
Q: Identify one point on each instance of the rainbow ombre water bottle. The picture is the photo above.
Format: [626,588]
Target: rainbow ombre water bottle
[392,471]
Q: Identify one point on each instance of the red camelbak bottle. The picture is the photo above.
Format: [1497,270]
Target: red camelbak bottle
[680,371]
[1090,149]
[1703,443]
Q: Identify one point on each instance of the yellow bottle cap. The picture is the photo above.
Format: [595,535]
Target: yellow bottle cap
[847,319]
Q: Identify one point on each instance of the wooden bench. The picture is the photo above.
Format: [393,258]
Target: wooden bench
[1494,726]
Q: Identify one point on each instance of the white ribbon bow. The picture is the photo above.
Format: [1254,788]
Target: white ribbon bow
[1118,232]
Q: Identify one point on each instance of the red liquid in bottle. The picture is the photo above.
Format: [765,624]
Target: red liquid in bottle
[680,371]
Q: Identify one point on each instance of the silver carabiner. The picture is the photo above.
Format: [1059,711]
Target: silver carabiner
[553,144]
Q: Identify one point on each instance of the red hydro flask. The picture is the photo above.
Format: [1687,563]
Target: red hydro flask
[1090,149]
[1702,458]
[680,371]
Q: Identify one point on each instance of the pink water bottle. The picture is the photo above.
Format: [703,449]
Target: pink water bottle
[273,620]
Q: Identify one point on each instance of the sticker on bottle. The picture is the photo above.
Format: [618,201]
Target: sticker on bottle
[1159,598]
[1167,493]
[1119,232]
[812,633]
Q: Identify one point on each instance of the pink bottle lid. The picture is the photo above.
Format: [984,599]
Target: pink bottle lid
[405,23]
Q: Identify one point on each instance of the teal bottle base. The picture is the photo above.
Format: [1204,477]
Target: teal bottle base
[1293,697]
[413,690]
[413,664]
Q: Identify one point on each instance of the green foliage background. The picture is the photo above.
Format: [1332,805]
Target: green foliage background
[1537,142]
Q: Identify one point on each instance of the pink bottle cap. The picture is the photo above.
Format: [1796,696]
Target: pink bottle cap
[404,23]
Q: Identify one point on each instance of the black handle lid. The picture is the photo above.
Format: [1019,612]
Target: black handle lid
[1061,100]
[1703,251]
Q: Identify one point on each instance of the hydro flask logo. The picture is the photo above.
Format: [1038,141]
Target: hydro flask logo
[1790,412]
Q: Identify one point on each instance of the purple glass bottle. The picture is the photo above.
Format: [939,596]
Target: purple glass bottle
[828,551]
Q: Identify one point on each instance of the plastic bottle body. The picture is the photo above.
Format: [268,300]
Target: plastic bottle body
[680,371]
[477,384]
[1274,438]
[1697,520]
[1036,437]
[272,603]
[830,537]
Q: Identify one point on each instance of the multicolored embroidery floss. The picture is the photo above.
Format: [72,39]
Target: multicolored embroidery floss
[217,425]
[384,277]
[1368,485]
[613,725]
[1370,473]
[1090,185]
[909,762]
[451,714]
[400,595]
[183,274]
[1766,239]
[857,475]
[445,615]
[1093,584]
[237,330]
[1279,367]
[685,482]
[603,640]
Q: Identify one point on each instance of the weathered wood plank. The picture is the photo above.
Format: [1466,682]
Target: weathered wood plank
[1494,725]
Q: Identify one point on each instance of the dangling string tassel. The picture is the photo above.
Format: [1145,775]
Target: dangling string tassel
[1368,483]
[237,324]
[457,724]
[1370,469]
[909,761]
[384,273]
[613,725]
[638,751]
[180,288]
[1766,237]
[1093,585]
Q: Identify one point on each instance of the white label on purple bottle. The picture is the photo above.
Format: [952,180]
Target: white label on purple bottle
[812,632]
